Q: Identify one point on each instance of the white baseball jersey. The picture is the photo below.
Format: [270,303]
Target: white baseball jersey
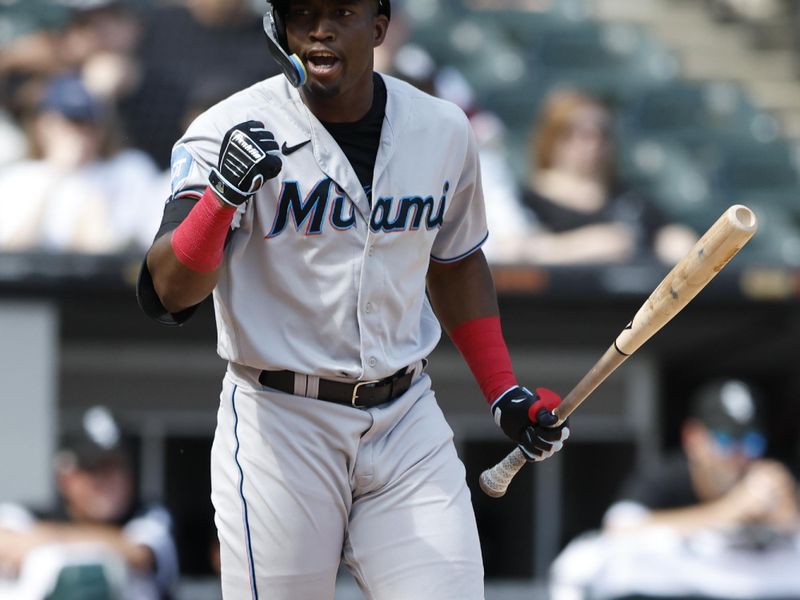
[319,278]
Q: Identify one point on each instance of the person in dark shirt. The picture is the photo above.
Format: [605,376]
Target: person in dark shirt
[184,46]
[720,478]
[584,211]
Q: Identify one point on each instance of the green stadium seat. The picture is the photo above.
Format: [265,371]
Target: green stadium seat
[611,62]
[705,119]
[777,240]
[87,582]
[614,61]
[688,112]
[766,172]
[523,28]
[26,16]
[667,174]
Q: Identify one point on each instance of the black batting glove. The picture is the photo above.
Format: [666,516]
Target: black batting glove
[528,419]
[248,157]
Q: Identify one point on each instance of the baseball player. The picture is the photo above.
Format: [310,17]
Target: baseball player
[317,207]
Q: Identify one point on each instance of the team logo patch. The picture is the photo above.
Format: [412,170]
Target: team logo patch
[181,165]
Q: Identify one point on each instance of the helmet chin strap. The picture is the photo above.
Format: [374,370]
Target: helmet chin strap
[292,66]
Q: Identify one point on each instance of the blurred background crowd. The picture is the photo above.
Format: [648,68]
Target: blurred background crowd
[611,132]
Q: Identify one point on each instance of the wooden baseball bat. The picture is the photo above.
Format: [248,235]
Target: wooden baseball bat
[709,255]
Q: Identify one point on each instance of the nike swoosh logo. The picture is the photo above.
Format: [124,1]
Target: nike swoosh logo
[287,150]
[518,400]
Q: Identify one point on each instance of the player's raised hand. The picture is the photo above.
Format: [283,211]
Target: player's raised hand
[528,419]
[248,157]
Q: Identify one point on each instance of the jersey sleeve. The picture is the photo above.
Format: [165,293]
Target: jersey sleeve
[464,228]
[16,517]
[151,304]
[193,156]
[153,529]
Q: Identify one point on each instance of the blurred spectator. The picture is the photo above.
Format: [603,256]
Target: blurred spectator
[14,145]
[97,509]
[82,193]
[98,39]
[714,519]
[583,211]
[720,478]
[101,40]
[397,36]
[505,213]
[184,45]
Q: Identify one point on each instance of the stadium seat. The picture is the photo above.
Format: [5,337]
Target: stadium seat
[524,28]
[767,172]
[686,111]
[69,571]
[667,174]
[705,119]
[778,238]
[21,18]
[614,61]
[87,582]
[431,22]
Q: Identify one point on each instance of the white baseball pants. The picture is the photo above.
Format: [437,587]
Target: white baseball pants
[300,484]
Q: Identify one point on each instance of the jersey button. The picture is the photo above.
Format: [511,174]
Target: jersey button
[372,361]
[371,251]
[368,308]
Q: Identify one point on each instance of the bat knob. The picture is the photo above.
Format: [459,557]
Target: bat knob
[546,419]
[494,482]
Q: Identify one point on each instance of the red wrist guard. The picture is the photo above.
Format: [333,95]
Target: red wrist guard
[481,343]
[199,240]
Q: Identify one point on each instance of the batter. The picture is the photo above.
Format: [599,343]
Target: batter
[318,207]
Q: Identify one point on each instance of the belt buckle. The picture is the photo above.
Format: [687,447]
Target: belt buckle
[354,397]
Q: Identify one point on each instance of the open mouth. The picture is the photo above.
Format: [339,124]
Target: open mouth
[321,62]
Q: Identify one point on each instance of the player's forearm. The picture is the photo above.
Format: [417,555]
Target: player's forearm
[136,555]
[462,291]
[709,515]
[178,287]
[599,243]
[464,298]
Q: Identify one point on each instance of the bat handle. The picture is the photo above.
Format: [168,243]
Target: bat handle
[494,482]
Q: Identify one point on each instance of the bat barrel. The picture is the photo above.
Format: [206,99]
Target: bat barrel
[742,218]
[692,273]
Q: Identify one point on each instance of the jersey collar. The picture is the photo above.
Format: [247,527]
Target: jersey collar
[331,159]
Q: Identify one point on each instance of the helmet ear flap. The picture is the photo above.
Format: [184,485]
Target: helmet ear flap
[279,29]
[278,45]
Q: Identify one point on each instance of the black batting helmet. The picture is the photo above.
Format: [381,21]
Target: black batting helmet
[384,6]
[278,44]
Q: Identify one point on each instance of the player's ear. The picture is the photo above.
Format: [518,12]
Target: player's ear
[381,27]
[693,436]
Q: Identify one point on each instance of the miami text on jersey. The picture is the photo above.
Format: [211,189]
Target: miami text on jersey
[389,214]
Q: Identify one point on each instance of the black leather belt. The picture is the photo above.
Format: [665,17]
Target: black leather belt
[362,394]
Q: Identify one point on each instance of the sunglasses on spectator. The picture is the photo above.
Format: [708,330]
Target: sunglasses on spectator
[752,444]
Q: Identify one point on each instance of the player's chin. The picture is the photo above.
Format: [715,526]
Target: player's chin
[322,89]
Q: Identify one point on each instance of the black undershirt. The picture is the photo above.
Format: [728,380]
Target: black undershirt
[360,140]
